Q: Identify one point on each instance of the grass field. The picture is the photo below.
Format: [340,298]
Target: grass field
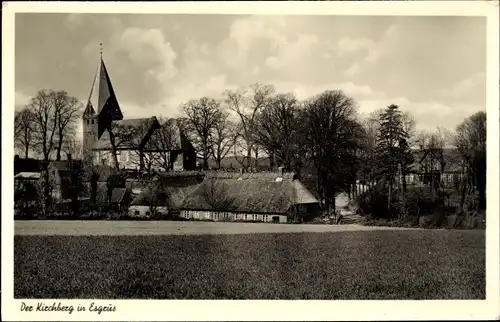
[148,228]
[413,264]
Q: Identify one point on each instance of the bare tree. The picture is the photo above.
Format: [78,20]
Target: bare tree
[223,138]
[203,116]
[43,109]
[74,146]
[277,130]
[157,197]
[332,137]
[470,141]
[23,130]
[432,159]
[67,111]
[162,143]
[368,149]
[247,104]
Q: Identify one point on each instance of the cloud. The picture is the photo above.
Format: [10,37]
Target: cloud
[21,99]
[424,112]
[353,70]
[373,50]
[244,33]
[350,45]
[464,87]
[303,91]
[147,46]
[294,52]
[74,19]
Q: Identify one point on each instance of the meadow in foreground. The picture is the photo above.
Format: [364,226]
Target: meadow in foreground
[343,265]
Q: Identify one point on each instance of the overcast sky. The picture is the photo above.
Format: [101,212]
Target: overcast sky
[433,67]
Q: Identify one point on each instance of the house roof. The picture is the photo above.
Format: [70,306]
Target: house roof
[168,191]
[26,165]
[271,176]
[259,194]
[118,195]
[182,174]
[28,175]
[130,133]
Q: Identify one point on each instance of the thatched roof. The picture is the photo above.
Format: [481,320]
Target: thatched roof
[269,176]
[181,174]
[119,195]
[169,189]
[250,192]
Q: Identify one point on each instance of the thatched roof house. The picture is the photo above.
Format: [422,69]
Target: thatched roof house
[166,193]
[262,196]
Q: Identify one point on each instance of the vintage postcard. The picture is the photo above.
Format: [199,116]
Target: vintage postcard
[250,161]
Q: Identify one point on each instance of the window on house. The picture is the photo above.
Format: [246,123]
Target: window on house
[148,213]
[122,156]
[137,213]
[88,122]
[92,121]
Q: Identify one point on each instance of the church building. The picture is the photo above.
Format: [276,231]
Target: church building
[135,144]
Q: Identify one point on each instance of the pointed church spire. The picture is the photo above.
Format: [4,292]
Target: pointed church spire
[102,98]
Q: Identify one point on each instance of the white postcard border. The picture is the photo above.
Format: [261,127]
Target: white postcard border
[170,310]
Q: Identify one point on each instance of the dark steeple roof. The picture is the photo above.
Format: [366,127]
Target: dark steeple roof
[102,99]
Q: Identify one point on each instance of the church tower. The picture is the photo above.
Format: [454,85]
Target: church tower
[102,108]
[90,131]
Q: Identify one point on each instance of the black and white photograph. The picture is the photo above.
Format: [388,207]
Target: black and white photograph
[249,156]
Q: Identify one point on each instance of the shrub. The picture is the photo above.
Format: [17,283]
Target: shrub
[374,203]
[418,202]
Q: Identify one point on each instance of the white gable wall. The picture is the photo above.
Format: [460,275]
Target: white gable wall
[129,159]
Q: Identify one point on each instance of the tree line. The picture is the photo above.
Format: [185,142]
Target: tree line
[324,135]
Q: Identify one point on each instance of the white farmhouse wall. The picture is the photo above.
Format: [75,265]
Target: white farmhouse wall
[229,216]
[130,159]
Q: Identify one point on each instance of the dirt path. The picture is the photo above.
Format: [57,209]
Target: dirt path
[63,227]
